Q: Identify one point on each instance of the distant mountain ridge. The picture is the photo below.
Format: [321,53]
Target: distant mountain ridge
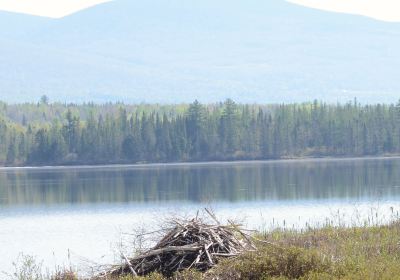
[180,50]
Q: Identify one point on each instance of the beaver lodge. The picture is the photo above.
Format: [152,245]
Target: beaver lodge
[187,244]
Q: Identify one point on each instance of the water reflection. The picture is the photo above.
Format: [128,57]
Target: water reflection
[234,182]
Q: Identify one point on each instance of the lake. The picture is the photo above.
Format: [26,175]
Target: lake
[82,215]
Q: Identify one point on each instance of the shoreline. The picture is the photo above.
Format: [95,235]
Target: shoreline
[330,252]
[197,163]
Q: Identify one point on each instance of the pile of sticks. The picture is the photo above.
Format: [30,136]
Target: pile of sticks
[188,244]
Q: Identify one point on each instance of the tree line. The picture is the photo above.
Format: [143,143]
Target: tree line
[118,133]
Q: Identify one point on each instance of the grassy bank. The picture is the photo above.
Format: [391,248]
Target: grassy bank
[327,253]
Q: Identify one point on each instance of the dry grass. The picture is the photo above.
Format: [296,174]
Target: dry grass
[327,253]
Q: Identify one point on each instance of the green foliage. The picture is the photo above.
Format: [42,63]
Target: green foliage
[44,99]
[117,133]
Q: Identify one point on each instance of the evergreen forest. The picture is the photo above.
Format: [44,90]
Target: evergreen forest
[47,133]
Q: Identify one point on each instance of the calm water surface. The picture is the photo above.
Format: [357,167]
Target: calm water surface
[84,212]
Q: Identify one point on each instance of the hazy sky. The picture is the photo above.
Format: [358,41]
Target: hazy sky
[382,9]
[388,10]
[50,8]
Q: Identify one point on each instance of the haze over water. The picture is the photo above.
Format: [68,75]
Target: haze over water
[48,211]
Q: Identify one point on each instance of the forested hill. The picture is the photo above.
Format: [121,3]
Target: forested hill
[53,134]
[178,50]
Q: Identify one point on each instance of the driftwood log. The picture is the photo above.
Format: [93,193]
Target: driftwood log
[187,244]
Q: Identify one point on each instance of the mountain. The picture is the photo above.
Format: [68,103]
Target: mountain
[180,50]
